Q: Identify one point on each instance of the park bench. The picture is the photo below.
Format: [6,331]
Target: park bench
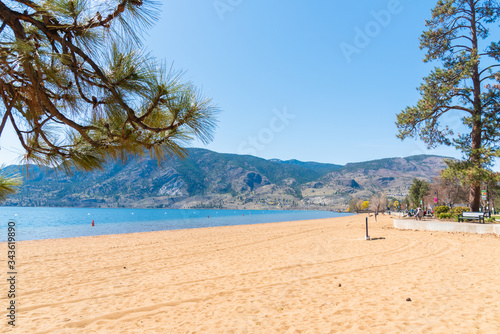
[472,215]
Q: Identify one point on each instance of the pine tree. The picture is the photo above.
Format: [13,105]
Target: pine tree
[467,84]
[78,87]
[418,190]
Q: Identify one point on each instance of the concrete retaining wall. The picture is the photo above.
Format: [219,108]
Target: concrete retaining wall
[434,225]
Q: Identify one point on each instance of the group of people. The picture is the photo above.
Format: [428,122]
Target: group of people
[418,213]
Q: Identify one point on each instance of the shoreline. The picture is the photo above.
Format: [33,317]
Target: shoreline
[317,276]
[173,230]
[55,223]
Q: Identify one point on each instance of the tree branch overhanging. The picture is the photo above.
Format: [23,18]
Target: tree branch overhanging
[61,84]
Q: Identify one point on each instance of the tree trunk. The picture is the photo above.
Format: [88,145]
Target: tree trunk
[474,198]
[476,133]
[475,158]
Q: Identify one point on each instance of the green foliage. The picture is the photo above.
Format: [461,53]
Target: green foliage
[438,210]
[418,190]
[468,173]
[79,89]
[490,220]
[467,84]
[8,184]
[457,211]
[445,215]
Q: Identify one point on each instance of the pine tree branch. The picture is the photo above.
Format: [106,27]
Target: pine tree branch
[488,68]
[61,81]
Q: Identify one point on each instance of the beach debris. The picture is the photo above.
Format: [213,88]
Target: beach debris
[408,299]
[340,285]
[124,267]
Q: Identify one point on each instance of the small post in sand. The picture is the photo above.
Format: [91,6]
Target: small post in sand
[367,237]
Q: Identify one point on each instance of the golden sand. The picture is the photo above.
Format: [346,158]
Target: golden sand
[317,276]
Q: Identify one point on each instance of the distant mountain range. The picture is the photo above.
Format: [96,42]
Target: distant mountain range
[207,179]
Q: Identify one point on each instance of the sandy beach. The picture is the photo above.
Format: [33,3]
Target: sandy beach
[317,276]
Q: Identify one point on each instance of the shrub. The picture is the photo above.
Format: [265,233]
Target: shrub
[438,210]
[490,220]
[459,210]
[445,215]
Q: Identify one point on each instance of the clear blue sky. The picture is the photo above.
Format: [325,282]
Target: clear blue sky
[294,80]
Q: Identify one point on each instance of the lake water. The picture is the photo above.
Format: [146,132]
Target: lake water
[51,223]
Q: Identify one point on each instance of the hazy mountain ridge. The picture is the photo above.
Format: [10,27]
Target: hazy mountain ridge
[215,180]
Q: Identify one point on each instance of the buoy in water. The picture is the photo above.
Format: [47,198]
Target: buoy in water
[93,223]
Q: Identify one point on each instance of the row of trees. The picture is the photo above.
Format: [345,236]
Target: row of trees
[442,191]
[377,203]
[450,192]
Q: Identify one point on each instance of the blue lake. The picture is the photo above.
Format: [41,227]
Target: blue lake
[51,223]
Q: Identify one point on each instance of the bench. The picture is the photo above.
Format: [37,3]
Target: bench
[472,215]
